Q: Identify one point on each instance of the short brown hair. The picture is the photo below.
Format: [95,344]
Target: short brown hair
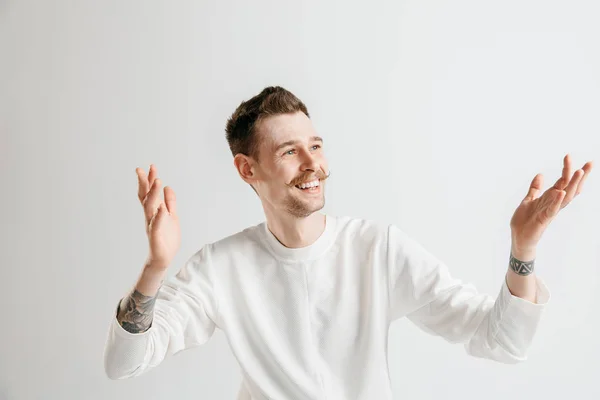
[241,126]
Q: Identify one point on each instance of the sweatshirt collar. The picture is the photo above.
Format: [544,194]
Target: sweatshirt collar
[307,253]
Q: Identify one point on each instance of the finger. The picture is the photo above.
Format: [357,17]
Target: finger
[152,200]
[170,200]
[566,173]
[155,220]
[587,168]
[534,188]
[143,185]
[152,173]
[160,215]
[572,186]
[558,184]
[554,206]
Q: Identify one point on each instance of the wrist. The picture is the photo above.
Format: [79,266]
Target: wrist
[523,253]
[521,263]
[155,265]
[150,280]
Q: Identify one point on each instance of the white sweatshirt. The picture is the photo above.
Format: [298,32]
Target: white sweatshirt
[312,322]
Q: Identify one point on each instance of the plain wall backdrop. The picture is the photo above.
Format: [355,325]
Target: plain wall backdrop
[436,117]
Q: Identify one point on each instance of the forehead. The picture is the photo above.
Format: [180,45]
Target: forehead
[281,128]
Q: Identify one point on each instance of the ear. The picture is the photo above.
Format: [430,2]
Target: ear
[245,167]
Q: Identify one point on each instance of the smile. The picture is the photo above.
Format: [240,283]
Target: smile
[310,184]
[310,187]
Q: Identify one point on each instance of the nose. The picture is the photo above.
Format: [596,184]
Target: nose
[310,162]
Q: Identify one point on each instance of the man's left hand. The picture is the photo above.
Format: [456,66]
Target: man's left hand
[534,214]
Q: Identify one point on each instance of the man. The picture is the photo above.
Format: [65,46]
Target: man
[306,299]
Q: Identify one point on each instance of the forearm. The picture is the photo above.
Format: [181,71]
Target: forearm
[520,277]
[136,310]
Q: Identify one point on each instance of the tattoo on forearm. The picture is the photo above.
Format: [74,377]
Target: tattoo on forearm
[136,312]
[523,268]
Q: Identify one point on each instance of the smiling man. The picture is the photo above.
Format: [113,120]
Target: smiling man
[306,299]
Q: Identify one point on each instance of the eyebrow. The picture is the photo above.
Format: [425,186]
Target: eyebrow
[290,142]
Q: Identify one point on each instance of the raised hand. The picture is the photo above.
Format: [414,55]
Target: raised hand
[162,222]
[534,214]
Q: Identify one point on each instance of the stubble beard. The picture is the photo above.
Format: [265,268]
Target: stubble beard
[300,208]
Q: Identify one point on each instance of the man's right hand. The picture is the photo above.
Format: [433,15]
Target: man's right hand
[162,221]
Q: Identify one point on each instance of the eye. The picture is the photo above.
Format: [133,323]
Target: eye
[291,151]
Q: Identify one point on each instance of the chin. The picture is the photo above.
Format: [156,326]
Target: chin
[301,208]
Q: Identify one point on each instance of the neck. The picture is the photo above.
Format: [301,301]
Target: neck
[294,232]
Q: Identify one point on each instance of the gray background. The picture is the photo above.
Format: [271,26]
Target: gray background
[436,116]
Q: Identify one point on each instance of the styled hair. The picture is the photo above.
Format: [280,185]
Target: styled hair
[241,131]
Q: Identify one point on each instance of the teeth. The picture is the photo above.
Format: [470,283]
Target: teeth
[309,184]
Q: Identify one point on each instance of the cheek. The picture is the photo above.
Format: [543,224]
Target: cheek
[322,161]
[287,175]
[278,180]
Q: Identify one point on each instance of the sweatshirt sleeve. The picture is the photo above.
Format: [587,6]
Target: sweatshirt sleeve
[184,317]
[422,289]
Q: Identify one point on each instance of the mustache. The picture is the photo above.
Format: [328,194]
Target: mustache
[310,177]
